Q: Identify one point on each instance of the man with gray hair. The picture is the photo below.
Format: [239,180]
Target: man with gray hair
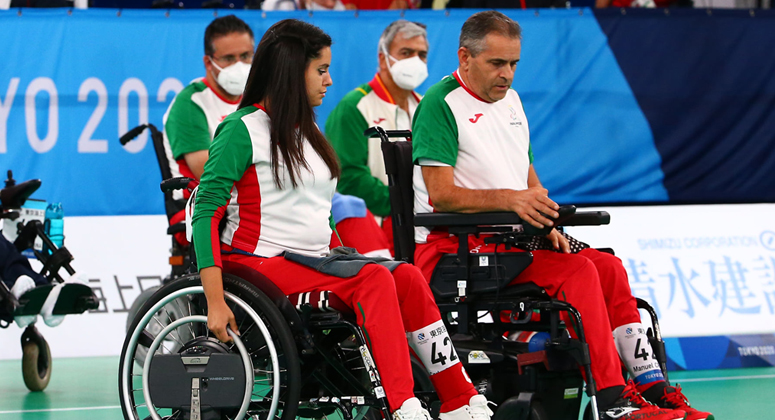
[472,142]
[389,101]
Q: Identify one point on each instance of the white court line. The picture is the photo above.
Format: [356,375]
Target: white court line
[724,378]
[46,410]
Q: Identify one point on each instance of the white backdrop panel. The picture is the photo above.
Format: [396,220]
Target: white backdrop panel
[120,256]
[708,270]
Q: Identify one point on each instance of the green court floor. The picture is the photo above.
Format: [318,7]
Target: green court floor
[87,388]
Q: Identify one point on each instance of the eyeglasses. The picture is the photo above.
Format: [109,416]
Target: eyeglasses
[230,59]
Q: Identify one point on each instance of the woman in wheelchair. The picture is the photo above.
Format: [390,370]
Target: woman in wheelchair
[271,175]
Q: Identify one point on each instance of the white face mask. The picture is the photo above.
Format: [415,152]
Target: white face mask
[233,78]
[407,73]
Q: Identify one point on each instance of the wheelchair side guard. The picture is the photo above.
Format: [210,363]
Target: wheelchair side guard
[481,270]
[270,290]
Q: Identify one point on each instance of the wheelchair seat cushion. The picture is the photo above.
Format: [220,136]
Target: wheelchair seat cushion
[320,301]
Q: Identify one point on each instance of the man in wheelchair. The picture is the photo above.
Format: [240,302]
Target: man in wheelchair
[277,219]
[471,139]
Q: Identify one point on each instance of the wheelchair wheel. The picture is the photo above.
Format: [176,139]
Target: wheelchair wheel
[36,360]
[138,304]
[175,316]
[537,411]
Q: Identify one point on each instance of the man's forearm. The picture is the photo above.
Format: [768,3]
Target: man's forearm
[464,200]
[531,204]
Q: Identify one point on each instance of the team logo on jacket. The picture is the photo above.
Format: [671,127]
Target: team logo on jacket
[476,118]
[513,115]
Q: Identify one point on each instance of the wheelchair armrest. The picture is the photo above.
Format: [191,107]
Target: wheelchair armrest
[178,183]
[431,220]
[176,228]
[588,218]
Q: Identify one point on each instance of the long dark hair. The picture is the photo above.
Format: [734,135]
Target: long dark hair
[277,77]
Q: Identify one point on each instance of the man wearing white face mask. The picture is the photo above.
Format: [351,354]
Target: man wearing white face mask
[389,101]
[194,114]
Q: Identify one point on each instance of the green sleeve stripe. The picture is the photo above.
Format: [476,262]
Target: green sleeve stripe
[434,129]
[231,153]
[186,126]
[344,129]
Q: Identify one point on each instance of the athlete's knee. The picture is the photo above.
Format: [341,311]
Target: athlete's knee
[410,283]
[378,278]
[582,267]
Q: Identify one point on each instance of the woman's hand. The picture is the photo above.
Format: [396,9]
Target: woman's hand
[218,317]
[559,241]
[218,313]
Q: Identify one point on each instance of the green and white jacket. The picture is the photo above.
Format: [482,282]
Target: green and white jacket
[363,170]
[261,218]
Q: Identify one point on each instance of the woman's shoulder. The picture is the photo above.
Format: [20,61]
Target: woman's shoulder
[247,121]
[251,113]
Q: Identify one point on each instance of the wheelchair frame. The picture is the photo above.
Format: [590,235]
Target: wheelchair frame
[179,255]
[472,297]
[314,334]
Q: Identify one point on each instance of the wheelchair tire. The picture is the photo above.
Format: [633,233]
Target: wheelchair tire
[138,304]
[36,365]
[184,296]
[537,411]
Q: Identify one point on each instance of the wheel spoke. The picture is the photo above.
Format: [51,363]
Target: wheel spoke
[171,334]
[253,353]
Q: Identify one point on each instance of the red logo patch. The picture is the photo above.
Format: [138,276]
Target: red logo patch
[476,118]
[379,121]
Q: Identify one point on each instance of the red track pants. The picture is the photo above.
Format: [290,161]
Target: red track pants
[366,236]
[386,305]
[593,282]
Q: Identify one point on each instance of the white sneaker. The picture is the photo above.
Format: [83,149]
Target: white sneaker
[22,285]
[48,307]
[411,409]
[476,409]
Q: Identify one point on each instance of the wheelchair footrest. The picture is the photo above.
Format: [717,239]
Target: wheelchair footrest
[73,299]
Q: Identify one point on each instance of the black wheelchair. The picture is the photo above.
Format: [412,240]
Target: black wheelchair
[303,355]
[295,356]
[543,384]
[72,299]
[173,199]
[174,203]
